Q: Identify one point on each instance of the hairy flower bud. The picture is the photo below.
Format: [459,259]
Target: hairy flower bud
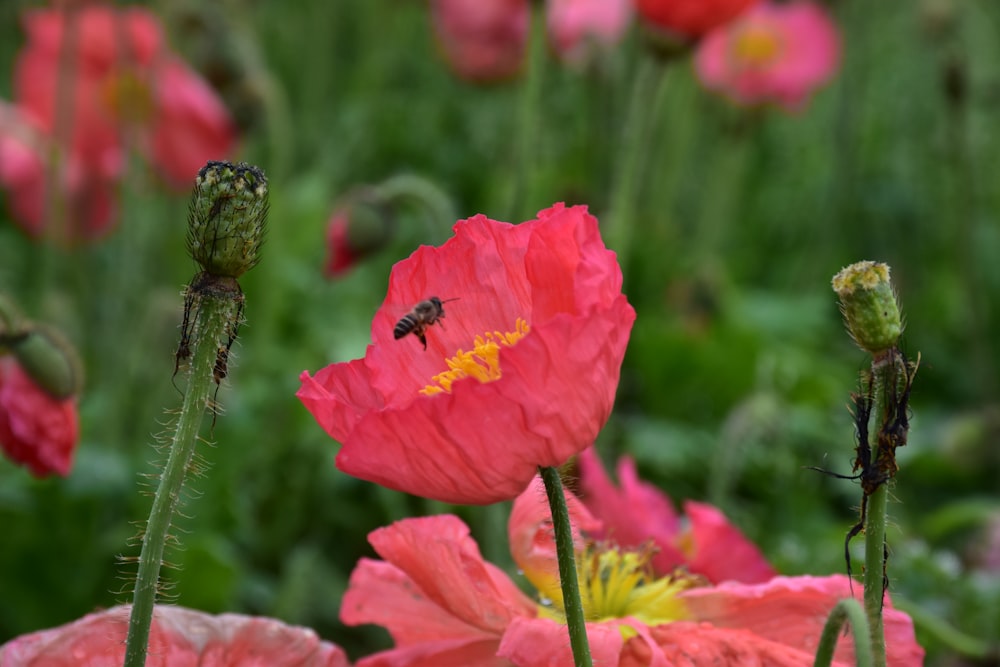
[227,218]
[868,303]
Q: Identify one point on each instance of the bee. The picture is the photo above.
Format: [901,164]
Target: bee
[423,315]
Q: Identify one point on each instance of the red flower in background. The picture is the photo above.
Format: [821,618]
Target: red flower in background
[87,195]
[35,429]
[773,53]
[690,18]
[482,40]
[121,83]
[539,305]
[638,513]
[179,637]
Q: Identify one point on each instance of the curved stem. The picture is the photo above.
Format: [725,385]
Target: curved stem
[846,611]
[563,530]
[213,315]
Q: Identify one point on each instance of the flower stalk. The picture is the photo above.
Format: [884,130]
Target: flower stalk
[849,612]
[225,231]
[572,604]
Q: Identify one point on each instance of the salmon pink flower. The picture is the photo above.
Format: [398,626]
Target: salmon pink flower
[638,513]
[482,40]
[521,373]
[775,53]
[123,82]
[35,429]
[179,637]
[87,195]
[575,27]
[690,18]
[443,604]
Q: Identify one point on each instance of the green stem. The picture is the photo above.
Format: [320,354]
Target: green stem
[847,611]
[439,207]
[641,114]
[563,530]
[213,315]
[886,372]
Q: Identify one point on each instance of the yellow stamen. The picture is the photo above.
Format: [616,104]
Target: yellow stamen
[756,46]
[482,362]
[618,584]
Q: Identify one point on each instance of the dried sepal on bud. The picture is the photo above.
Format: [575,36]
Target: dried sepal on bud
[869,306]
[227,218]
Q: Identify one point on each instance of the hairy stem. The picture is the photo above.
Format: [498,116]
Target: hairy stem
[563,530]
[850,612]
[213,315]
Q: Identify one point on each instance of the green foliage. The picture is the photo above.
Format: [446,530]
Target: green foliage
[738,371]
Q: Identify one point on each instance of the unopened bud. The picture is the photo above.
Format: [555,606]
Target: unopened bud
[49,359]
[227,218]
[360,227]
[869,305]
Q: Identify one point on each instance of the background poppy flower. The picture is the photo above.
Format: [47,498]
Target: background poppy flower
[576,27]
[123,77]
[35,429]
[482,40]
[540,306]
[638,512]
[691,18]
[773,53]
[179,637]
[443,604]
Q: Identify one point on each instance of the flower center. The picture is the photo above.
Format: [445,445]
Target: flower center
[620,584]
[127,97]
[756,46]
[482,362]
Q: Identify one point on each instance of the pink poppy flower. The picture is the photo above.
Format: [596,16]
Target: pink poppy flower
[340,256]
[576,27]
[35,429]
[482,40]
[639,513]
[443,604]
[124,83]
[774,53]
[540,310]
[690,18]
[179,637]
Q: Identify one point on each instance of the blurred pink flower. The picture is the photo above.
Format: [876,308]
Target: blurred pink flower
[639,513]
[179,637]
[86,195]
[123,84]
[340,258]
[443,604]
[482,40]
[576,27]
[773,53]
[35,429]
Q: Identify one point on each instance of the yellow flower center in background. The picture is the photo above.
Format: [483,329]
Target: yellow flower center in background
[756,46]
[127,97]
[482,362]
[618,584]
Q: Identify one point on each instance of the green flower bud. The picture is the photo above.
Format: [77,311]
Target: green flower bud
[49,359]
[227,218]
[868,303]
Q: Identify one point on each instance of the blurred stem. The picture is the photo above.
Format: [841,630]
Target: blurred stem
[563,530]
[846,611]
[213,315]
[944,632]
[435,202]
[522,177]
[640,119]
